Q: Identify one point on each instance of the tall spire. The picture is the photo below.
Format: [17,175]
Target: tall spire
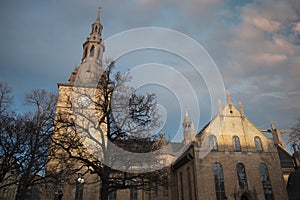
[93,47]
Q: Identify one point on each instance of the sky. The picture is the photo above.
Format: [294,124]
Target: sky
[255,46]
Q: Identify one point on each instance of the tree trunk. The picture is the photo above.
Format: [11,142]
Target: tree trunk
[104,188]
[22,192]
[104,191]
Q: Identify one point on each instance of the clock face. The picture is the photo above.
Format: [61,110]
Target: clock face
[83,101]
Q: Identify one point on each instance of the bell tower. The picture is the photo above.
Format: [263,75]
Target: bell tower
[90,69]
[93,47]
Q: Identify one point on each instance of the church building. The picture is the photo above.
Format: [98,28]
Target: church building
[230,158]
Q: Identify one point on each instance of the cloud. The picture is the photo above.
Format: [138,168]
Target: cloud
[267,59]
[296,28]
[270,26]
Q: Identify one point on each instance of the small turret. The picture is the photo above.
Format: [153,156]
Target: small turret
[188,129]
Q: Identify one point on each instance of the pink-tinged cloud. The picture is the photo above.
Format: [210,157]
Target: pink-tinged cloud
[267,59]
[268,25]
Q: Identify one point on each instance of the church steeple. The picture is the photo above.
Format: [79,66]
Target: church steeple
[93,47]
[188,129]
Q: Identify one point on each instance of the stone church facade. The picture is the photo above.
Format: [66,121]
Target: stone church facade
[230,158]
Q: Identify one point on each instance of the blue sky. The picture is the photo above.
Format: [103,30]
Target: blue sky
[255,45]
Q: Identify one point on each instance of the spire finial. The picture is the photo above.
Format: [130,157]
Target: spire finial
[228,97]
[186,113]
[99,12]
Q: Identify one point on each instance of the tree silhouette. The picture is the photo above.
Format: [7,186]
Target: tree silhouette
[108,128]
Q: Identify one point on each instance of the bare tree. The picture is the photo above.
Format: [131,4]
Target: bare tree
[106,120]
[6,155]
[5,99]
[25,141]
[38,130]
[294,137]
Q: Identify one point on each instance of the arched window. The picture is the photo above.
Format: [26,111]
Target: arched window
[264,175]
[96,29]
[236,143]
[219,181]
[165,186]
[213,143]
[258,144]
[187,127]
[92,51]
[242,177]
[155,188]
[133,190]
[112,195]
[79,189]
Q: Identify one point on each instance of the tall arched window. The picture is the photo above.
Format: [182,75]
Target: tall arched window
[242,177]
[213,143]
[236,143]
[133,190]
[112,195]
[92,51]
[165,186]
[155,188]
[258,144]
[219,181]
[264,175]
[79,189]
